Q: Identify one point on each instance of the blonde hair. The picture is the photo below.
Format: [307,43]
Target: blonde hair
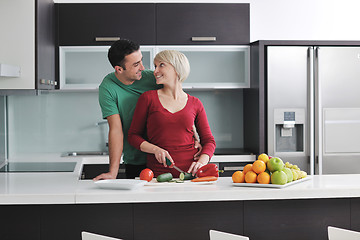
[178,60]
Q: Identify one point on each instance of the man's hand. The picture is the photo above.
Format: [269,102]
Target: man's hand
[199,147]
[103,176]
[195,166]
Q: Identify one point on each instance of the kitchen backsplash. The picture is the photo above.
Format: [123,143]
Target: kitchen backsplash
[64,121]
[55,122]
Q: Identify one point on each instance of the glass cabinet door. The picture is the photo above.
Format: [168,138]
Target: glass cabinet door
[85,67]
[212,67]
[216,67]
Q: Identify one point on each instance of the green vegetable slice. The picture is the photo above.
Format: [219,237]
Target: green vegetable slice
[186,176]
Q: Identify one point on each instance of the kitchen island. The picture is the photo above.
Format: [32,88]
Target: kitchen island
[60,206]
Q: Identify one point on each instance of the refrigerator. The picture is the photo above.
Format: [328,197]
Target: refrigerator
[313,107]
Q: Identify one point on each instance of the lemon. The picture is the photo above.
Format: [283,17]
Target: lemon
[263,157]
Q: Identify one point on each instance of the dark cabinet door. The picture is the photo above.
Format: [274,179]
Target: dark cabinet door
[20,222]
[294,219]
[190,220]
[355,214]
[101,24]
[196,23]
[45,45]
[61,222]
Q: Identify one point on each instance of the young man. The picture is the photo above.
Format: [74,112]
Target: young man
[118,95]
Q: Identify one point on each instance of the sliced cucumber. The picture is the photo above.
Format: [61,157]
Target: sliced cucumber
[165,177]
[186,176]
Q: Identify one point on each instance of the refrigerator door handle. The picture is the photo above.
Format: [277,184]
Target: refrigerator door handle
[318,112]
[311,112]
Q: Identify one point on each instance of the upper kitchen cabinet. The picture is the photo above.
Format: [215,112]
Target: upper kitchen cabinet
[28,42]
[202,23]
[91,24]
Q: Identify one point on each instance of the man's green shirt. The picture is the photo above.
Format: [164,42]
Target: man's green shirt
[118,98]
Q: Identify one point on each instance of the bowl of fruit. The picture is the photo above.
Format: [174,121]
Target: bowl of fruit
[270,172]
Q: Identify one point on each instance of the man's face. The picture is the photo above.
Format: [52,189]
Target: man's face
[133,66]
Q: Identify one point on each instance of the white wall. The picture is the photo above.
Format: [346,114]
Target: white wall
[304,20]
[292,19]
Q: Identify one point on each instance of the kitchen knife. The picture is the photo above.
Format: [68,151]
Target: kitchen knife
[173,165]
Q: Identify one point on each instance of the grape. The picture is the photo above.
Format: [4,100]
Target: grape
[295,174]
[295,167]
[288,165]
[303,174]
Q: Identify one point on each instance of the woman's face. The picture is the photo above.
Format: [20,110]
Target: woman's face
[164,73]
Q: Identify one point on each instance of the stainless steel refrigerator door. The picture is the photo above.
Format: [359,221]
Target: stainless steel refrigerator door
[3,132]
[289,87]
[338,109]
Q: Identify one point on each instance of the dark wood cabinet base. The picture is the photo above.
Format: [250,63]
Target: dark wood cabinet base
[265,219]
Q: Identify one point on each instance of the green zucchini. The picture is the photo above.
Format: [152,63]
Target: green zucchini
[185,176]
[165,177]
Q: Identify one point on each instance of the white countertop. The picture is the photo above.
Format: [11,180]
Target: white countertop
[66,188]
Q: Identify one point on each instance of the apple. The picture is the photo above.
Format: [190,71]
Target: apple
[278,177]
[275,164]
[289,174]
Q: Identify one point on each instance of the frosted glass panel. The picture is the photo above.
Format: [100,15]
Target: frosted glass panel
[55,123]
[86,67]
[224,109]
[216,66]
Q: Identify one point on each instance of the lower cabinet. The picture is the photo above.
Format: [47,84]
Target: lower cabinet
[258,220]
[295,219]
[355,214]
[20,222]
[186,220]
[61,222]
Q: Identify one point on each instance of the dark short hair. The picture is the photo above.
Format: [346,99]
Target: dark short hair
[119,50]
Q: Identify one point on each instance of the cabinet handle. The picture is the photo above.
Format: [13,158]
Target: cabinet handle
[234,168]
[203,39]
[106,39]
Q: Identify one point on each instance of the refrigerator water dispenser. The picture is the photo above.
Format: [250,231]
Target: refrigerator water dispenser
[289,130]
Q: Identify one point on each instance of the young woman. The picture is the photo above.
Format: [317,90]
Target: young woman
[163,120]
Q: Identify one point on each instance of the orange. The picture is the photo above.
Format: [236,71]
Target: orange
[248,167]
[250,177]
[259,166]
[263,178]
[263,157]
[238,177]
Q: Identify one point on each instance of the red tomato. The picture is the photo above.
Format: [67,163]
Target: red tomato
[146,174]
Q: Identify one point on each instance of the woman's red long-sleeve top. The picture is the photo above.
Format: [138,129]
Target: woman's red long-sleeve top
[170,131]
